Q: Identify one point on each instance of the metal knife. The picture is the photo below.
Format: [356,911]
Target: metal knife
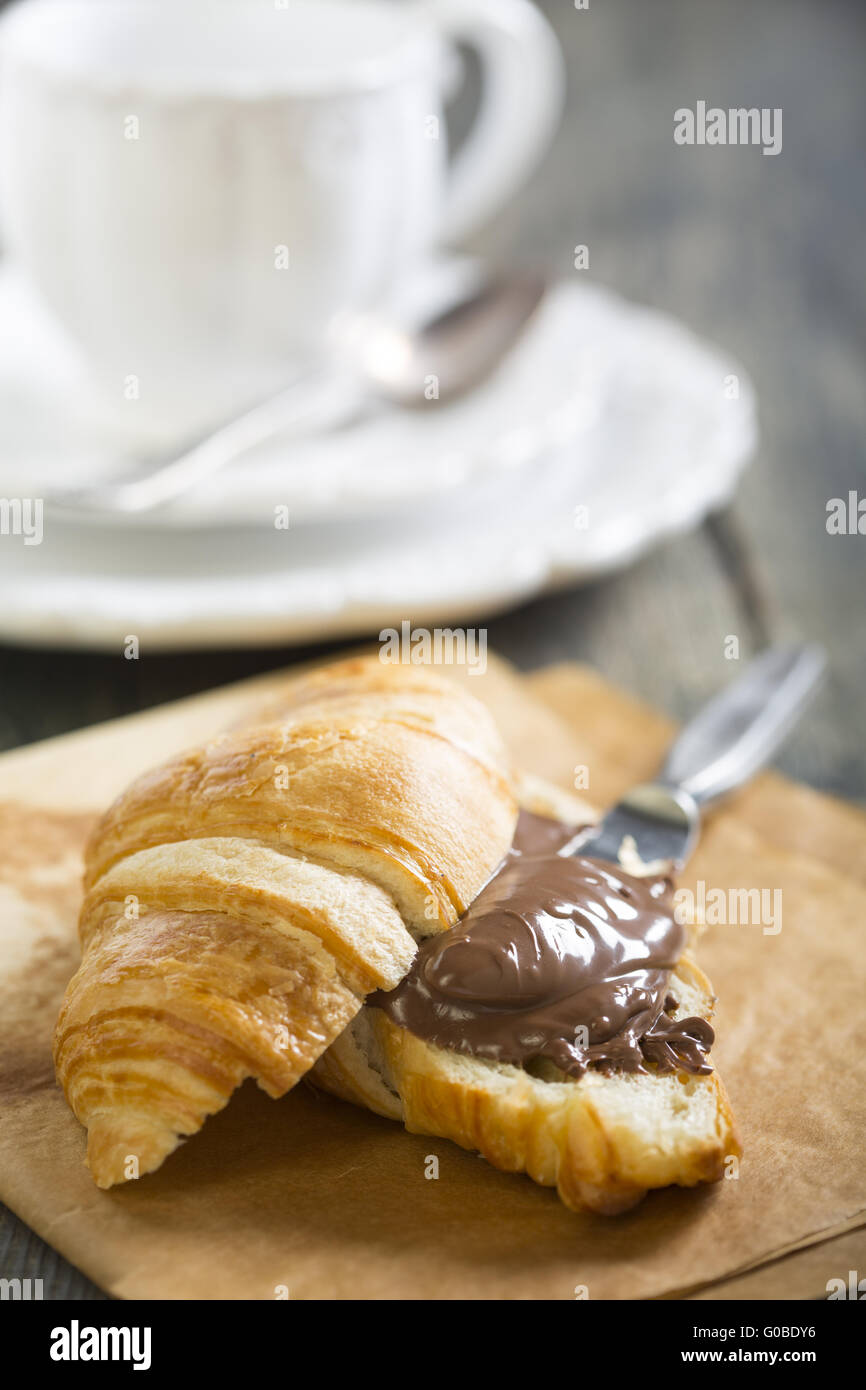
[727,742]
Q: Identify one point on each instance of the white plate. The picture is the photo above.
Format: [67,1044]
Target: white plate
[584,344]
[391,533]
[544,395]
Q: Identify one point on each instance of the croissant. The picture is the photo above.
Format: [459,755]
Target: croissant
[243,900]
[602,1142]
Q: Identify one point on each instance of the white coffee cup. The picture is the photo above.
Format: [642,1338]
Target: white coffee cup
[200,188]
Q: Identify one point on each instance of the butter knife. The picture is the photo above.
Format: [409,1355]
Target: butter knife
[727,742]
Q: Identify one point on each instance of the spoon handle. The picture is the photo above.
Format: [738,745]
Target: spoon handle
[297,408]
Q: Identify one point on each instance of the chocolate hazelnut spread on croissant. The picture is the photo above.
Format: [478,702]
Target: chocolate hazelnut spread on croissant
[560,956]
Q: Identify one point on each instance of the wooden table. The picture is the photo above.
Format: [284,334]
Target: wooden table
[762,254]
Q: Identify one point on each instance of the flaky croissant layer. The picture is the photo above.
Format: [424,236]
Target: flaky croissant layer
[242,899]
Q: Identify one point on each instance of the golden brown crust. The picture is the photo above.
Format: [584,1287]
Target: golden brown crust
[602,1141]
[242,899]
[403,780]
[170,1012]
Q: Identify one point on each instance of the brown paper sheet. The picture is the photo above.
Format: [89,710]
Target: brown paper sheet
[327,1201]
[806,1274]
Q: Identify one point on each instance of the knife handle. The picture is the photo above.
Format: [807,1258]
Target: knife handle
[737,733]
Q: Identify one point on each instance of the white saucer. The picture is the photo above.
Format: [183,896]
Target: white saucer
[585,348]
[545,395]
[430,518]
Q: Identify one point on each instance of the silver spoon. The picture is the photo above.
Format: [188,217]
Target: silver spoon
[445,356]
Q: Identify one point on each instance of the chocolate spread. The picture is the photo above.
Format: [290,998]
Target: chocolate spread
[561,957]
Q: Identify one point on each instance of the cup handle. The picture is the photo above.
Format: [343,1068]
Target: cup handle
[523,76]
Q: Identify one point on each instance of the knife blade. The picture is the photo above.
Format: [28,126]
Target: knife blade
[722,747]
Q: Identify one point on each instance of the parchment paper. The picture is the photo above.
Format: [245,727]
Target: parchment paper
[325,1201]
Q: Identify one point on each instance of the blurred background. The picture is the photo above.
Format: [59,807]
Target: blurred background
[759,255]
